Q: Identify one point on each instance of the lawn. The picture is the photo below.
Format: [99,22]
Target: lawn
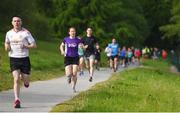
[150,88]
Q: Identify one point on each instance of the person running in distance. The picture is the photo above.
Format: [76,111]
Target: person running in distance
[69,48]
[114,54]
[81,58]
[89,45]
[97,57]
[108,54]
[18,41]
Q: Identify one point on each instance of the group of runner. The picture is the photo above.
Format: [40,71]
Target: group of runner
[19,40]
[76,51]
[118,56]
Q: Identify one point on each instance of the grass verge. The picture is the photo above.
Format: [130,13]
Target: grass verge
[143,89]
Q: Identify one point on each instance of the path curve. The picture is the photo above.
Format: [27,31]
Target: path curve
[41,96]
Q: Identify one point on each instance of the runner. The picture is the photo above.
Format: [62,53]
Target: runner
[81,58]
[108,54]
[69,48]
[137,55]
[18,42]
[89,45]
[97,57]
[114,54]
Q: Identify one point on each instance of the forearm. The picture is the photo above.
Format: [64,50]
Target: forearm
[33,45]
[7,47]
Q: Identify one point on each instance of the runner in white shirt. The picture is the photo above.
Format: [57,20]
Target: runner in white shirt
[18,42]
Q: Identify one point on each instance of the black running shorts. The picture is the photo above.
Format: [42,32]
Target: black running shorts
[22,64]
[71,61]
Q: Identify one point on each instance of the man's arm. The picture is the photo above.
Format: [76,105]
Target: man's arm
[29,46]
[7,46]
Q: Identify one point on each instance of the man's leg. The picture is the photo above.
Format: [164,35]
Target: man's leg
[16,75]
[111,62]
[115,63]
[87,63]
[91,65]
[25,78]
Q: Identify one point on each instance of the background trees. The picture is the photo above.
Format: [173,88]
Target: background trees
[132,22]
[172,29]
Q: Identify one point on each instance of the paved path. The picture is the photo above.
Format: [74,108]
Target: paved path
[41,96]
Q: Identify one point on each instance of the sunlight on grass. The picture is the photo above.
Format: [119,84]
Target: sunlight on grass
[141,89]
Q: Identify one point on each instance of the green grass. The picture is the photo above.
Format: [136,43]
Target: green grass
[158,64]
[46,61]
[142,89]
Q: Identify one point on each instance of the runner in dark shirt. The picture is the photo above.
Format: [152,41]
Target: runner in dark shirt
[89,45]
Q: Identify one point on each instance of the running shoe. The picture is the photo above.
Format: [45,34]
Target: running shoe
[74,90]
[114,69]
[69,79]
[17,104]
[90,79]
[81,73]
[26,85]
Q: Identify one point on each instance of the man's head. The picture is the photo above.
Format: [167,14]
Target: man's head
[113,40]
[89,31]
[16,22]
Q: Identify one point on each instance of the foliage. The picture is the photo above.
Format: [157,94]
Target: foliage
[111,18]
[172,30]
[157,13]
[27,10]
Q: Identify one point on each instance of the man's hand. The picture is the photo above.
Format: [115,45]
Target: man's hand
[7,47]
[86,46]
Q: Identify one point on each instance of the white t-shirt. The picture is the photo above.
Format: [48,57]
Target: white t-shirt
[108,51]
[17,40]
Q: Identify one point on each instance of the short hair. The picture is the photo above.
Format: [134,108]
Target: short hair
[89,28]
[72,28]
[16,17]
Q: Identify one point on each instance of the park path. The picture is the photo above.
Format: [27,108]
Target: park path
[41,96]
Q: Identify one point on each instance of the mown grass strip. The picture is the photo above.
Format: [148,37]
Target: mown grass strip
[142,89]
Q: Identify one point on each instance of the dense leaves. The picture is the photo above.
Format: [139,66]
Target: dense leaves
[172,30]
[132,22]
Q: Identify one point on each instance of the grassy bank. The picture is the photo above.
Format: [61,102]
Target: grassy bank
[149,88]
[46,61]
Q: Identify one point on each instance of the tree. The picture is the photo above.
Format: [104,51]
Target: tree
[157,13]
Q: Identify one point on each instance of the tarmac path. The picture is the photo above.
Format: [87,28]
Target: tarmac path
[41,96]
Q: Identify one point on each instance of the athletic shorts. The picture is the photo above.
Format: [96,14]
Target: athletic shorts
[81,56]
[122,57]
[71,61]
[90,57]
[112,57]
[22,64]
[108,57]
[98,58]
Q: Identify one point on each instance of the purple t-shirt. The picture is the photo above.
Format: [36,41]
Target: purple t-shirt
[71,46]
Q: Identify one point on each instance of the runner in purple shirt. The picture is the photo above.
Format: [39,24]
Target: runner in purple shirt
[69,48]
